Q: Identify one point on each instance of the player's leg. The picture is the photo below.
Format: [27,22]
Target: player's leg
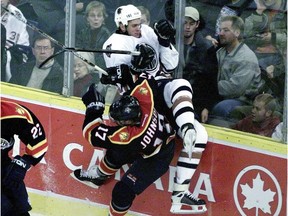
[138,177]
[6,204]
[97,175]
[178,98]
[15,202]
[184,171]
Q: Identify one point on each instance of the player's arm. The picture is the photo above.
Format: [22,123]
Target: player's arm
[94,130]
[123,74]
[168,54]
[34,137]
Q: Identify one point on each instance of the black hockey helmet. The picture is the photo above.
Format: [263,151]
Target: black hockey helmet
[126,111]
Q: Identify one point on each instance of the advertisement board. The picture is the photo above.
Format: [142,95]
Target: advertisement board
[235,177]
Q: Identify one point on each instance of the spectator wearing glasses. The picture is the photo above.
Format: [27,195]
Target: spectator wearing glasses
[49,77]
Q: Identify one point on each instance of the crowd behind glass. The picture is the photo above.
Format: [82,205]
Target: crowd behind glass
[265,33]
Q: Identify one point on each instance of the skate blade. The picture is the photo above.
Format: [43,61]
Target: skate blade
[90,184]
[176,209]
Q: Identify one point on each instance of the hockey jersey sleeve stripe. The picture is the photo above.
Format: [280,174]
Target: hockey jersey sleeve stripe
[38,150]
[89,127]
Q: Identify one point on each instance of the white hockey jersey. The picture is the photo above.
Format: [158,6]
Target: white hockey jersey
[16,32]
[169,56]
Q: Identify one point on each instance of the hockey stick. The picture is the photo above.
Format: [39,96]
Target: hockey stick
[73,50]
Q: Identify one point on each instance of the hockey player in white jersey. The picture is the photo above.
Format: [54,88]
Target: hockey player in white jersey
[158,56]
[131,32]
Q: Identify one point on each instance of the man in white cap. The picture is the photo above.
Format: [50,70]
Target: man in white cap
[200,64]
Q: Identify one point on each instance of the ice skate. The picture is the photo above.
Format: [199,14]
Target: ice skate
[89,177]
[181,197]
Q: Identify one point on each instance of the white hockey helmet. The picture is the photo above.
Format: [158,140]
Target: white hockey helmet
[125,13]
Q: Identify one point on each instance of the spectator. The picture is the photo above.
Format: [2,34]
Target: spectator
[262,120]
[239,76]
[145,15]
[95,34]
[16,36]
[84,74]
[80,13]
[81,21]
[200,65]
[49,77]
[49,13]
[266,32]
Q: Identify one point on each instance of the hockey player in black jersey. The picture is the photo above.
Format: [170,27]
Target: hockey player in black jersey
[18,120]
[141,137]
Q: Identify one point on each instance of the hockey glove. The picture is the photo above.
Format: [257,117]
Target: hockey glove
[141,62]
[94,101]
[117,75]
[165,32]
[16,172]
[189,138]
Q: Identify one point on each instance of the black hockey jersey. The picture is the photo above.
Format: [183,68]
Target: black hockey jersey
[147,139]
[19,120]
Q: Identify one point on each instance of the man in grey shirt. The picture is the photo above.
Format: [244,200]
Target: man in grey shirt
[239,76]
[49,77]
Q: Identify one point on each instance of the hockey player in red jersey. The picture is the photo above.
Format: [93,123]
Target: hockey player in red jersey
[173,99]
[18,120]
[176,94]
[141,137]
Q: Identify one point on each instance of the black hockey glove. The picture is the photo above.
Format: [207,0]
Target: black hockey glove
[117,75]
[141,62]
[94,101]
[165,32]
[16,172]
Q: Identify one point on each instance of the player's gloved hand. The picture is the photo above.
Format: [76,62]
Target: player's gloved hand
[16,172]
[117,75]
[94,101]
[189,138]
[165,32]
[141,62]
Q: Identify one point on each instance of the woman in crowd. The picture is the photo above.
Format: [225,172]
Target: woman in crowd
[95,34]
